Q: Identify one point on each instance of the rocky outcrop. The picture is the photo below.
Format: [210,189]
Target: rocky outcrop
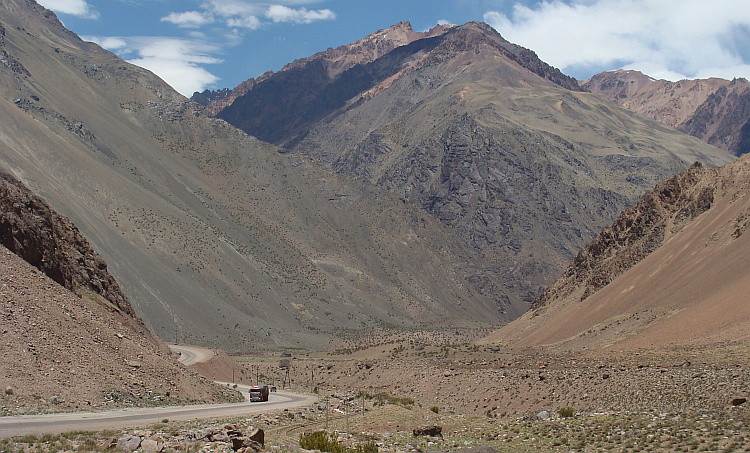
[638,231]
[46,240]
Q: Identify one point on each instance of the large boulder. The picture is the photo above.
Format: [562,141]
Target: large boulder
[128,443]
[428,430]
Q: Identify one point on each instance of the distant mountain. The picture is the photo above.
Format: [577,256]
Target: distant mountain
[668,273]
[81,347]
[215,237]
[500,147]
[333,61]
[206,97]
[715,110]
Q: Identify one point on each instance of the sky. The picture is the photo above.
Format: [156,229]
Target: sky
[212,44]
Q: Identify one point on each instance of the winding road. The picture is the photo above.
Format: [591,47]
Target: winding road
[135,417]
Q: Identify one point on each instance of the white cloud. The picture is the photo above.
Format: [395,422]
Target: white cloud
[189,19]
[78,8]
[248,21]
[107,42]
[663,38]
[248,14]
[234,8]
[280,13]
[177,61]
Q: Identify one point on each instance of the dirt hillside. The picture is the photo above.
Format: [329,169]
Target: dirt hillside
[65,351]
[670,272]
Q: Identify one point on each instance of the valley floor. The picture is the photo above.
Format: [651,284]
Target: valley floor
[481,396]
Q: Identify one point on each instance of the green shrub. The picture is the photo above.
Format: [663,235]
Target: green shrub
[320,440]
[566,412]
[435,409]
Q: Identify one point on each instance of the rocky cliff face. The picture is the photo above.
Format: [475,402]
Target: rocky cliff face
[335,61]
[716,111]
[32,230]
[723,120]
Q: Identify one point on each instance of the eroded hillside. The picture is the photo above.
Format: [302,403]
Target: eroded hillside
[215,236]
[80,347]
[667,274]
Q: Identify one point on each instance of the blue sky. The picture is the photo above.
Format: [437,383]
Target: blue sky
[199,44]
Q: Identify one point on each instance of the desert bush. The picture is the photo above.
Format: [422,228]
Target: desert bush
[321,440]
[566,412]
[435,409]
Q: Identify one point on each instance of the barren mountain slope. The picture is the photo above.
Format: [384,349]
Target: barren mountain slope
[670,272]
[64,351]
[715,110]
[214,236]
[484,137]
[333,62]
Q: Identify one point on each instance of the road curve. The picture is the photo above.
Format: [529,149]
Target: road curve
[137,417]
[192,354]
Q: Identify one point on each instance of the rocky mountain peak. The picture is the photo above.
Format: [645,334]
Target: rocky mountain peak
[335,61]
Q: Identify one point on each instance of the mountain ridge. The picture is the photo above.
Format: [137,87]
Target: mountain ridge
[714,110]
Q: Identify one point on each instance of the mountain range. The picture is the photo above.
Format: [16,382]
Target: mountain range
[477,132]
[715,110]
[413,180]
[215,236]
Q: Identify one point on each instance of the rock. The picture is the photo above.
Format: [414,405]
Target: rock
[428,430]
[244,443]
[542,415]
[128,443]
[9,390]
[150,446]
[219,437]
[738,400]
[256,435]
[205,433]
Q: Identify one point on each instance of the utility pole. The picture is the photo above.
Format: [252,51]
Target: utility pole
[327,400]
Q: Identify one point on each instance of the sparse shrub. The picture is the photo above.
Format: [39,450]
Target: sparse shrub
[321,440]
[435,409]
[566,412]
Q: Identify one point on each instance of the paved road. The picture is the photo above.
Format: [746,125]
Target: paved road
[137,417]
[192,354]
